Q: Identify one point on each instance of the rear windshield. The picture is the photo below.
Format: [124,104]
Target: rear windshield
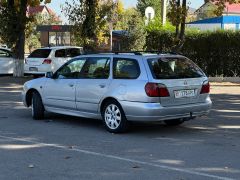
[174,68]
[40,53]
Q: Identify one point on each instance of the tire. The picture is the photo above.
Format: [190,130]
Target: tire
[114,118]
[174,122]
[37,106]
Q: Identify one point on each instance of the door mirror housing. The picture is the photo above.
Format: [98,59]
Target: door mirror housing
[49,75]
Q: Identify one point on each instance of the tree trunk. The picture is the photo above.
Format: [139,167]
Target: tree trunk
[177,26]
[20,45]
[183,22]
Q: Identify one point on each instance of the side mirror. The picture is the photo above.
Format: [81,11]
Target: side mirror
[49,75]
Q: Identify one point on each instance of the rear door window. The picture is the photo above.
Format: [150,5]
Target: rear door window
[40,53]
[125,68]
[61,53]
[174,68]
[73,52]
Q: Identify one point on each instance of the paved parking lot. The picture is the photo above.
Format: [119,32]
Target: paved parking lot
[63,147]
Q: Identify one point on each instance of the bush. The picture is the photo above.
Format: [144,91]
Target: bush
[217,53]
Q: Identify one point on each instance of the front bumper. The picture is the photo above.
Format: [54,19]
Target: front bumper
[136,111]
[24,100]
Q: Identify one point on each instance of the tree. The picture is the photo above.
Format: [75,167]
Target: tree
[177,15]
[143,4]
[13,20]
[32,36]
[90,18]
[135,36]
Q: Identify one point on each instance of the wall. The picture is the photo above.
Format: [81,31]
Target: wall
[230,26]
[205,27]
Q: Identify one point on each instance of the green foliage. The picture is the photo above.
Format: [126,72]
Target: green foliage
[217,53]
[133,23]
[13,20]
[143,4]
[91,20]
[156,25]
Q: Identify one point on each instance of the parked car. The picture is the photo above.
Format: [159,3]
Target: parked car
[48,59]
[6,61]
[4,46]
[119,88]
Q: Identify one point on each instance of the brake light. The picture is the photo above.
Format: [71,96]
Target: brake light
[47,61]
[156,90]
[205,88]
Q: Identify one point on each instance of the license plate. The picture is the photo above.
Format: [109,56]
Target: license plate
[184,93]
[33,69]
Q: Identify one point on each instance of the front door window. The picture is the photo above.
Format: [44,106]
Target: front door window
[71,70]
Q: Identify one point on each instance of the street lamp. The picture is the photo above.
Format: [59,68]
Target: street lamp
[164,11]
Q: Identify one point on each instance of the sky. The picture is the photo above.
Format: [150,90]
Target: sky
[56,5]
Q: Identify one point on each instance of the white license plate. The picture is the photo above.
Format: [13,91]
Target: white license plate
[33,69]
[184,93]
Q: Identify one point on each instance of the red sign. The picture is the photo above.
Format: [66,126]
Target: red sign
[56,28]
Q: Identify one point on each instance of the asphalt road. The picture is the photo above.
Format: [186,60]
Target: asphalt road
[64,147]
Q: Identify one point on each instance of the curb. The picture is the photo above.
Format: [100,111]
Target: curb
[225,79]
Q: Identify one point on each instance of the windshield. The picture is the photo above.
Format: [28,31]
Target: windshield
[174,68]
[40,53]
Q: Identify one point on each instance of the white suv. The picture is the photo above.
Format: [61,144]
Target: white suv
[48,59]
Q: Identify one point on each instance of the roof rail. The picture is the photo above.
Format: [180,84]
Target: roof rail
[112,52]
[128,52]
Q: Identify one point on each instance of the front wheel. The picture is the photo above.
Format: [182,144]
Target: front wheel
[114,118]
[37,106]
[174,122]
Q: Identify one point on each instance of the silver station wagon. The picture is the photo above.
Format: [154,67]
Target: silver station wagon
[122,87]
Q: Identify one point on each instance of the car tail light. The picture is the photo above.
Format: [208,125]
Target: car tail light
[205,88]
[156,90]
[47,61]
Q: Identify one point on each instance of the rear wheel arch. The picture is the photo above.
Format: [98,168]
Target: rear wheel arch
[107,100]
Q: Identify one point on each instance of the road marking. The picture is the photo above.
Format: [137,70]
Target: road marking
[187,171]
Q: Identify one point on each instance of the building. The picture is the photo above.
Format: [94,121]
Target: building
[211,24]
[207,20]
[55,35]
[207,10]
[191,16]
[44,11]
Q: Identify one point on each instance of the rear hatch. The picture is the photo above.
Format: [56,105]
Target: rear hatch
[181,78]
[37,57]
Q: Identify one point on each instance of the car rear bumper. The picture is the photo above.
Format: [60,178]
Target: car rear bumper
[41,70]
[136,111]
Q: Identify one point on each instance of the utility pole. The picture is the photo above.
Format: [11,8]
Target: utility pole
[164,11]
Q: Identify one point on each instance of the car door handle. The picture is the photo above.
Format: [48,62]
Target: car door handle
[71,85]
[102,85]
